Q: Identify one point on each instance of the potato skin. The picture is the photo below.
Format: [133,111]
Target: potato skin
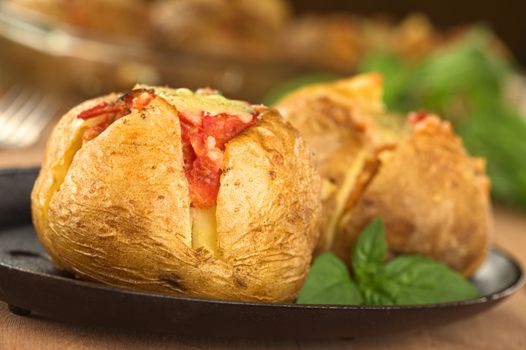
[335,120]
[64,135]
[121,216]
[432,196]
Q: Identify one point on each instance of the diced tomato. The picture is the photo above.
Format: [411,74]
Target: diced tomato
[110,112]
[418,117]
[203,137]
[99,109]
[203,147]
[223,127]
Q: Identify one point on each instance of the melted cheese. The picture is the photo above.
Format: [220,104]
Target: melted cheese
[348,185]
[204,229]
[194,103]
[60,168]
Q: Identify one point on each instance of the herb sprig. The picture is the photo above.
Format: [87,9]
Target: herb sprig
[404,280]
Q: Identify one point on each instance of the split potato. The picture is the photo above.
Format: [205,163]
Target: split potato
[414,173]
[179,192]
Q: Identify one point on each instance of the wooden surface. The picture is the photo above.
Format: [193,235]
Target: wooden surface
[503,327]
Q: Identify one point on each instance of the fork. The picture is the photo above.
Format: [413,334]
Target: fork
[24,114]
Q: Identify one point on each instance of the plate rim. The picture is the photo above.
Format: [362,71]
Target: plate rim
[513,287]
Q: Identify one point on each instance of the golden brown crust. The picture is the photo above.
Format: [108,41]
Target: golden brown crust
[121,216]
[432,195]
[66,134]
[338,121]
[270,175]
[428,193]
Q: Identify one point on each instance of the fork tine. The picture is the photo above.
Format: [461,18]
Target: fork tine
[18,112]
[24,114]
[9,96]
[35,113]
[18,101]
[29,131]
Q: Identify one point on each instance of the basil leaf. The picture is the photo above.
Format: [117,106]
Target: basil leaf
[417,280]
[329,282]
[397,74]
[405,280]
[498,135]
[369,252]
[376,296]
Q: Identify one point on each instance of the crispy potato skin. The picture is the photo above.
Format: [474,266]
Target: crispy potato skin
[334,121]
[121,216]
[268,208]
[64,135]
[432,196]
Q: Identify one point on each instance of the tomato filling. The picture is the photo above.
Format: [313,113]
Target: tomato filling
[417,117]
[204,137]
[110,112]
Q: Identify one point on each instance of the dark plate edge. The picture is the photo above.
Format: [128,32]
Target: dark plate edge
[509,290]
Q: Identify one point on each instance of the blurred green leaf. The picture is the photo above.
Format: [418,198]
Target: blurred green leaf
[397,76]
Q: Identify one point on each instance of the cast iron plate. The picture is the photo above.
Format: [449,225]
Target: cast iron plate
[29,283]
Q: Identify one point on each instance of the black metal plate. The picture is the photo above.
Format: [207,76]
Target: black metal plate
[29,282]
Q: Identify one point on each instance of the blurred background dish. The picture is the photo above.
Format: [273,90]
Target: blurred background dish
[242,47]
[41,46]
[433,58]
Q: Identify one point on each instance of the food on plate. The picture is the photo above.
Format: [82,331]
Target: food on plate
[104,17]
[273,30]
[414,174]
[238,28]
[232,28]
[181,192]
[340,41]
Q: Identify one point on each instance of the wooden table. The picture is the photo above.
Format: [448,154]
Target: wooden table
[503,327]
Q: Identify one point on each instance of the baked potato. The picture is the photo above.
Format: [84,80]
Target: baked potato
[231,28]
[180,192]
[414,173]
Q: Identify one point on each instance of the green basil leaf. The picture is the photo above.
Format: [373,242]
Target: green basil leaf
[417,280]
[397,75]
[376,296]
[369,252]
[329,282]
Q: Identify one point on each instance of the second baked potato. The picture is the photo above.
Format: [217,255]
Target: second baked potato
[414,174]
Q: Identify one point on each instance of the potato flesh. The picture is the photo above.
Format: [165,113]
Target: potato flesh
[204,229]
[61,167]
[342,195]
[204,226]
